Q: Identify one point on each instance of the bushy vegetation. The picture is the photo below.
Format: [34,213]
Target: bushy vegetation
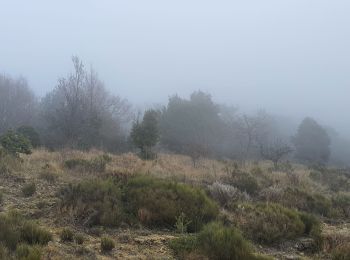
[151,201]
[342,252]
[15,230]
[94,202]
[31,134]
[28,189]
[26,252]
[107,244]
[215,241]
[270,223]
[158,202]
[336,179]
[15,143]
[97,164]
[66,235]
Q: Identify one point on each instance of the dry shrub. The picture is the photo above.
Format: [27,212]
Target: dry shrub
[226,194]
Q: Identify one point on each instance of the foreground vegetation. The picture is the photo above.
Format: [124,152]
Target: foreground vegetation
[90,205]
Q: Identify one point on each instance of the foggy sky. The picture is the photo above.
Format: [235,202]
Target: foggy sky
[291,57]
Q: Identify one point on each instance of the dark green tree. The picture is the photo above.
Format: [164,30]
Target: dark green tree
[191,127]
[312,143]
[31,134]
[145,135]
[15,143]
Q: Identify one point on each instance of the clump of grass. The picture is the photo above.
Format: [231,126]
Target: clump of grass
[216,242]
[342,252]
[107,244]
[97,164]
[16,230]
[1,197]
[66,235]
[29,189]
[26,252]
[33,234]
[245,182]
[79,239]
[269,223]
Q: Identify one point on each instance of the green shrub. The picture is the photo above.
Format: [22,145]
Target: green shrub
[31,134]
[94,202]
[305,201]
[26,252]
[246,182]
[15,143]
[269,223]
[66,235]
[33,234]
[159,202]
[4,253]
[79,239]
[341,202]
[216,242]
[107,244]
[15,230]
[29,189]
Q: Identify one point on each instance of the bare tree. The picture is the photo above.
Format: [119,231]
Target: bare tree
[80,112]
[17,103]
[275,151]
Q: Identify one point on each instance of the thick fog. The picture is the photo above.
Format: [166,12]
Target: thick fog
[289,57]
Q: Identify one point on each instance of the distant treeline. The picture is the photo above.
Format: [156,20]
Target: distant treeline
[80,113]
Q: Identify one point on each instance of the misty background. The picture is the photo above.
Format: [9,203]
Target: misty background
[290,58]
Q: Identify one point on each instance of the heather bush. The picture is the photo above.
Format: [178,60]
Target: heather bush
[158,202]
[28,189]
[269,223]
[97,164]
[225,194]
[93,202]
[216,242]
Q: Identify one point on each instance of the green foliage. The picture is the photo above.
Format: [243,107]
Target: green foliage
[26,252]
[1,197]
[305,201]
[336,179]
[15,230]
[181,224]
[107,244]
[94,202]
[341,202]
[145,134]
[15,143]
[191,126]
[312,142]
[97,164]
[66,235]
[31,134]
[28,189]
[216,242]
[246,182]
[158,202]
[33,234]
[269,223]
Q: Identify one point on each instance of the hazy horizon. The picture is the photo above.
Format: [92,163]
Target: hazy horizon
[289,57]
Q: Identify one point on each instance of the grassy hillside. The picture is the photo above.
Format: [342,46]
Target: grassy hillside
[90,205]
